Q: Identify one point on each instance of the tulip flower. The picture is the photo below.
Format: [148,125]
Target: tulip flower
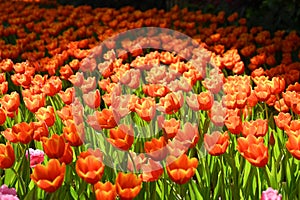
[46,115]
[293,145]
[92,99]
[90,167]
[253,150]
[36,156]
[145,108]
[2,116]
[216,143]
[8,193]
[270,194]
[54,147]
[74,133]
[67,157]
[23,132]
[180,170]
[105,191]
[122,137]
[49,177]
[156,148]
[11,102]
[128,185]
[7,156]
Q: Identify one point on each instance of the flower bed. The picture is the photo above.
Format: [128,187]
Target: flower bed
[104,104]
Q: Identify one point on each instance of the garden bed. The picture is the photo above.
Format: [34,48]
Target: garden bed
[105,103]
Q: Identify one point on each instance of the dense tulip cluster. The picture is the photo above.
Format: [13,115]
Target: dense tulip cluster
[67,128]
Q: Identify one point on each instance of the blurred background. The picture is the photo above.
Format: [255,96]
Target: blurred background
[271,14]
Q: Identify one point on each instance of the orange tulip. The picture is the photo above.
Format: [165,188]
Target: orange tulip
[92,99]
[189,136]
[171,103]
[2,116]
[7,156]
[40,130]
[49,177]
[46,115]
[293,145]
[253,150]
[155,148]
[122,137]
[182,169]
[145,108]
[90,167]
[216,143]
[151,171]
[128,185]
[52,86]
[234,124]
[258,127]
[105,191]
[67,157]
[104,119]
[170,127]
[65,113]
[34,102]
[205,100]
[10,102]
[73,133]
[68,95]
[54,147]
[155,90]
[282,120]
[23,132]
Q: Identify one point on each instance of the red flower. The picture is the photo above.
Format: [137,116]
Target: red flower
[205,100]
[89,166]
[145,108]
[293,145]
[23,132]
[2,116]
[131,78]
[34,102]
[65,113]
[40,130]
[182,169]
[52,86]
[151,171]
[234,124]
[156,149]
[253,150]
[171,103]
[67,157]
[104,119]
[73,133]
[122,137]
[46,115]
[258,127]
[170,127]
[282,120]
[216,143]
[92,99]
[155,90]
[189,136]
[128,185]
[68,95]
[10,102]
[7,156]
[49,177]
[105,191]
[54,147]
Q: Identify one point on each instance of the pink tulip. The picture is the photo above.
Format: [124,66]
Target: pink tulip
[8,193]
[270,194]
[36,156]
